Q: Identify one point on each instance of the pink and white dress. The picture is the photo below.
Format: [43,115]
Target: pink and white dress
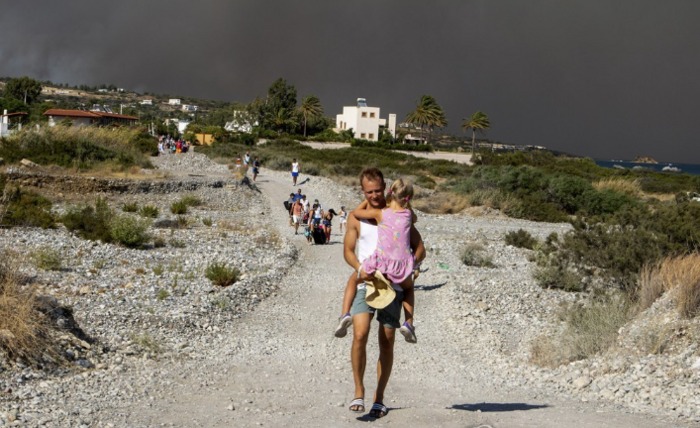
[393,255]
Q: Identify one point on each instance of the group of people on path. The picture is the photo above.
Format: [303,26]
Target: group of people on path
[246,162]
[312,218]
[167,144]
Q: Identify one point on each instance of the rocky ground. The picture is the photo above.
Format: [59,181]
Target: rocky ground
[171,349]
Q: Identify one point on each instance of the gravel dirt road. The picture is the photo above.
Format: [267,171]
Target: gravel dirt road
[285,368]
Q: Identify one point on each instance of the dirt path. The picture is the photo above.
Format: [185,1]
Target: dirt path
[285,368]
[456,157]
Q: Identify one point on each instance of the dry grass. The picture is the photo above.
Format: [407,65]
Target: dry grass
[24,329]
[492,198]
[591,328]
[628,187]
[233,226]
[663,197]
[544,352]
[681,276]
[441,203]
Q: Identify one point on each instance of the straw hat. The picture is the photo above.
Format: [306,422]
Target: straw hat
[379,292]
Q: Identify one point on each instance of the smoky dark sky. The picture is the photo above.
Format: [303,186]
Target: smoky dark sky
[600,78]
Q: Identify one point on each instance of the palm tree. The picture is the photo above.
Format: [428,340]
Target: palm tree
[479,122]
[310,107]
[427,113]
[282,120]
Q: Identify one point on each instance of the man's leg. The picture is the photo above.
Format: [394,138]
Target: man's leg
[386,361]
[358,354]
[389,319]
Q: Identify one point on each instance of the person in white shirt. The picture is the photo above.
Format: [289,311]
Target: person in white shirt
[295,171]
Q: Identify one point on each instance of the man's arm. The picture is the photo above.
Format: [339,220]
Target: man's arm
[417,245]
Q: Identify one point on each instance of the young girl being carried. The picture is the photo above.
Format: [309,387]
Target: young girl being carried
[393,257]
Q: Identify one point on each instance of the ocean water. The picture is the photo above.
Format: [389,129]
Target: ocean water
[684,167]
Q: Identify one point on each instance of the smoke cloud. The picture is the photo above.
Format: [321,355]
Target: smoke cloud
[597,78]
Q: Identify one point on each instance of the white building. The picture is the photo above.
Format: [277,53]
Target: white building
[187,107]
[146,102]
[174,101]
[364,121]
[242,122]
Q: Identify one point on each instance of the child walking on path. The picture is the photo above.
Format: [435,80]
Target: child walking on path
[392,257]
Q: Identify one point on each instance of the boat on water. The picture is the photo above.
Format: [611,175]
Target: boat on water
[670,168]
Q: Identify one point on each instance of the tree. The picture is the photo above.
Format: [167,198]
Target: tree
[427,113]
[282,120]
[13,105]
[24,89]
[279,96]
[479,122]
[310,108]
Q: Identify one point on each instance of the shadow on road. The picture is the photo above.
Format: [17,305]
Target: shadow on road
[430,287]
[367,418]
[498,407]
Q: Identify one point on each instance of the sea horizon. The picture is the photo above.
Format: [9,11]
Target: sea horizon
[688,168]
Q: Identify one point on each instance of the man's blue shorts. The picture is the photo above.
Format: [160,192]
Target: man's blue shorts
[389,317]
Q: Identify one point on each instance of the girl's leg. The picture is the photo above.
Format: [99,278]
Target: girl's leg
[349,296]
[409,300]
[346,319]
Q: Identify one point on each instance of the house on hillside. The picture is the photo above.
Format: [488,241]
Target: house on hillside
[146,102]
[364,121]
[86,118]
[11,122]
[242,122]
[187,107]
[174,101]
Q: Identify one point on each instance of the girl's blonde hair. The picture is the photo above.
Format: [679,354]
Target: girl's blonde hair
[402,192]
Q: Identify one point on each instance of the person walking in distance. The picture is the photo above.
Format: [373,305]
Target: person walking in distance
[360,242]
[296,213]
[295,171]
[256,167]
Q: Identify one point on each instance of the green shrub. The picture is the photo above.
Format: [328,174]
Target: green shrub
[570,192]
[159,242]
[177,243]
[521,239]
[81,147]
[425,181]
[162,294]
[130,231]
[207,221]
[474,254]
[47,259]
[130,208]
[148,211]
[90,222]
[158,270]
[555,272]
[191,201]
[220,274]
[27,209]
[178,207]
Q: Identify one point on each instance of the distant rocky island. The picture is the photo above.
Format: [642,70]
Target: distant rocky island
[644,159]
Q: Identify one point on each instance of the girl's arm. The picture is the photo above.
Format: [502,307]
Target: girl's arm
[367,213]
